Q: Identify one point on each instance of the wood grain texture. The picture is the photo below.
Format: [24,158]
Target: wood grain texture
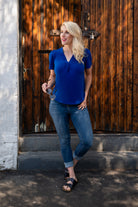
[135,71]
[106,66]
[130,67]
[113,99]
[27,65]
[121,70]
[98,69]
[92,109]
[36,66]
[114,67]
[125,42]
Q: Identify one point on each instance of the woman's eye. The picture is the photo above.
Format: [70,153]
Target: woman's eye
[66,32]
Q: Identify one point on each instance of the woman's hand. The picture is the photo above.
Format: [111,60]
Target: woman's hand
[51,82]
[45,87]
[88,80]
[83,105]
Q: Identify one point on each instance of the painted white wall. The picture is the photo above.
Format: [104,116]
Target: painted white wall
[8,84]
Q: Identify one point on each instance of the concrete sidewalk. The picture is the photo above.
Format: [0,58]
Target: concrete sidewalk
[43,189]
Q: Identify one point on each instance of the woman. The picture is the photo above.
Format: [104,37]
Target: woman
[71,73]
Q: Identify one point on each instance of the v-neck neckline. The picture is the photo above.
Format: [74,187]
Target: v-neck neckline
[66,57]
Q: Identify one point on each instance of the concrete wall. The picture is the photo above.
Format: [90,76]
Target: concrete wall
[8,84]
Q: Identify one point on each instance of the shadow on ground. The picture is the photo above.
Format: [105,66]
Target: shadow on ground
[43,189]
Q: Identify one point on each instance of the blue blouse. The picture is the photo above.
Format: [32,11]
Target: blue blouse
[69,82]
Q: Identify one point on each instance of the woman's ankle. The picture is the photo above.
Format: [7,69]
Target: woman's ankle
[72,173]
[75,162]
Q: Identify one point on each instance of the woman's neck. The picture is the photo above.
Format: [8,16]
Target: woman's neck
[68,48]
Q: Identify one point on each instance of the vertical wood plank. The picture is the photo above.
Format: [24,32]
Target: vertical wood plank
[92,109]
[49,45]
[125,42]
[121,71]
[102,60]
[71,8]
[118,64]
[85,22]
[114,37]
[130,66]
[77,12]
[106,66]
[45,68]
[27,66]
[98,69]
[49,24]
[57,22]
[135,69]
[65,12]
[42,64]
[36,67]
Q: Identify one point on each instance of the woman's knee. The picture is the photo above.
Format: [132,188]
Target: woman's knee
[88,142]
[65,141]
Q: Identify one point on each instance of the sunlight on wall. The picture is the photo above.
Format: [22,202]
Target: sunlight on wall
[8,84]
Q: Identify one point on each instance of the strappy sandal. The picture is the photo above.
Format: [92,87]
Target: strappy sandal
[66,174]
[69,185]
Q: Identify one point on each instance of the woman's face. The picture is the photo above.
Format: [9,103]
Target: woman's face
[65,36]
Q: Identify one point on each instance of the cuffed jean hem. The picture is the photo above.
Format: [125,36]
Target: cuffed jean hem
[76,157]
[68,164]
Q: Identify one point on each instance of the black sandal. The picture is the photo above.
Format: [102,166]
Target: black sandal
[66,174]
[70,185]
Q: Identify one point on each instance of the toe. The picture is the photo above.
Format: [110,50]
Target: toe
[66,188]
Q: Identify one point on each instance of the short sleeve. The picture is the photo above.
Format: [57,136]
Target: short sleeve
[51,60]
[87,59]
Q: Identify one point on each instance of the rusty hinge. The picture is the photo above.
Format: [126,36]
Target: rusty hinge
[91,34]
[55,32]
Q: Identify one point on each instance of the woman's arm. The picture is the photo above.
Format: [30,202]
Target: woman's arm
[88,81]
[51,81]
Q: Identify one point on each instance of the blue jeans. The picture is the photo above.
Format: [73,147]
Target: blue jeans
[60,114]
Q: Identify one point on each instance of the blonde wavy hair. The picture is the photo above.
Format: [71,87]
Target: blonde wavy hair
[77,44]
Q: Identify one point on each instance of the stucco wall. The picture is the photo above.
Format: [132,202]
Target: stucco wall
[8,84]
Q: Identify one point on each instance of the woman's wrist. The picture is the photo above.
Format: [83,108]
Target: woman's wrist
[86,95]
[50,83]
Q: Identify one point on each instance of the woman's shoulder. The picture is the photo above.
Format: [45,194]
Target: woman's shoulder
[87,51]
[54,52]
[87,58]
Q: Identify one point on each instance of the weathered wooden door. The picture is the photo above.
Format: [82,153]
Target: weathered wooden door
[112,99]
